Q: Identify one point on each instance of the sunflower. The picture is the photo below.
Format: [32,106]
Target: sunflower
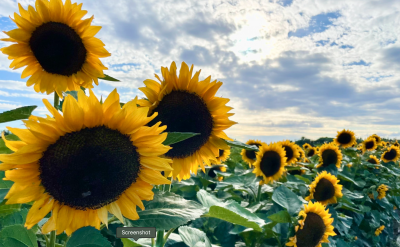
[292,153]
[329,154]
[57,46]
[314,228]
[270,162]
[297,172]
[302,155]
[325,189]
[345,138]
[373,160]
[391,154]
[222,156]
[377,138]
[369,144]
[211,173]
[379,230]
[249,156]
[186,104]
[396,144]
[93,159]
[382,191]
[306,146]
[311,152]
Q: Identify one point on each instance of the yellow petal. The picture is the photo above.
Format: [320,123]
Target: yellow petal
[153,177]
[73,114]
[115,210]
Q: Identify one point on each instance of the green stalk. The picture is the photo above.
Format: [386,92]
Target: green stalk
[56,100]
[170,184]
[160,239]
[52,239]
[259,193]
[168,233]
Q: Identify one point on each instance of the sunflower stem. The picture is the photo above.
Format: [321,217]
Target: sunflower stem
[52,239]
[259,193]
[169,189]
[168,233]
[160,239]
[56,100]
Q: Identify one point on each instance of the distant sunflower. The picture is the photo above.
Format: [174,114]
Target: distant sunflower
[369,144]
[271,162]
[329,154]
[306,146]
[314,228]
[373,160]
[379,230]
[302,155]
[211,173]
[391,154]
[382,191]
[292,153]
[383,144]
[249,156]
[396,144]
[94,159]
[57,46]
[311,152]
[297,172]
[222,156]
[185,104]
[345,138]
[377,138]
[325,189]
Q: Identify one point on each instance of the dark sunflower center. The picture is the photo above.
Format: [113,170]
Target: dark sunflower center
[311,152]
[329,156]
[270,163]
[221,152]
[312,232]
[344,138]
[289,152]
[251,154]
[58,48]
[372,161]
[369,144]
[212,173]
[377,139]
[183,111]
[89,168]
[390,155]
[324,190]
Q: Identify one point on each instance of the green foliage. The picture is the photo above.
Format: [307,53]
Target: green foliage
[17,114]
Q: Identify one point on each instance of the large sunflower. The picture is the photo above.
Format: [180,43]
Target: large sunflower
[186,104]
[325,189]
[57,46]
[369,144]
[270,162]
[93,159]
[292,153]
[391,154]
[329,154]
[314,228]
[223,155]
[345,138]
[249,156]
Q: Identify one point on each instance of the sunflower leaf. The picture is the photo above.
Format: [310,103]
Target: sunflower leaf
[17,114]
[287,199]
[88,237]
[17,236]
[167,210]
[108,78]
[5,186]
[281,217]
[174,137]
[241,145]
[193,237]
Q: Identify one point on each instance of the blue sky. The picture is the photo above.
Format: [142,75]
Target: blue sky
[291,68]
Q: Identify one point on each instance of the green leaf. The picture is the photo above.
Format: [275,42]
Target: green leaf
[206,199]
[73,94]
[16,218]
[174,137]
[241,145]
[281,217]
[88,237]
[232,212]
[9,209]
[287,199]
[108,78]
[332,169]
[17,236]
[306,180]
[17,114]
[5,186]
[167,210]
[129,243]
[193,237]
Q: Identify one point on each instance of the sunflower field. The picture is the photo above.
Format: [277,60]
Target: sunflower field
[92,167]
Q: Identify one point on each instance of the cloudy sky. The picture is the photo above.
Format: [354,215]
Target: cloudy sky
[291,68]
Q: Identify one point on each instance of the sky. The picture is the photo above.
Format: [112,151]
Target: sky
[290,68]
